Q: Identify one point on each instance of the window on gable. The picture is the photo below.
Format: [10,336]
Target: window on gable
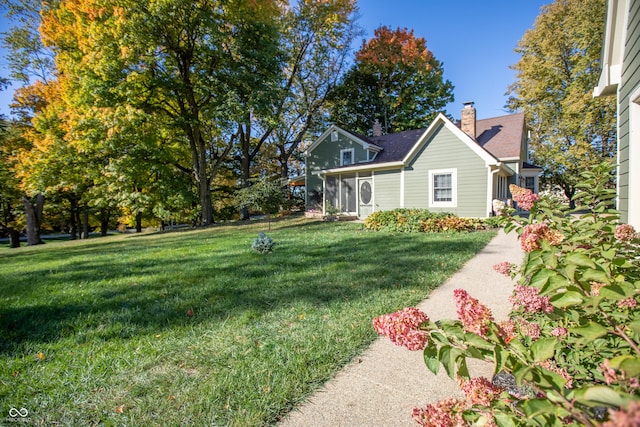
[346,157]
[443,191]
[530,183]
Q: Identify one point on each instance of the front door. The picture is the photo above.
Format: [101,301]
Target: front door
[365,199]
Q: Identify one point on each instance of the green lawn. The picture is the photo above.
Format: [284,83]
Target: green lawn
[99,332]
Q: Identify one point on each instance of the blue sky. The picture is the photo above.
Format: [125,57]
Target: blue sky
[475,40]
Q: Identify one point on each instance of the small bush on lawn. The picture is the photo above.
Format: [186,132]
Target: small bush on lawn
[416,220]
[569,353]
[263,243]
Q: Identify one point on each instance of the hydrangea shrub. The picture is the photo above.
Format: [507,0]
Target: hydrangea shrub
[569,352]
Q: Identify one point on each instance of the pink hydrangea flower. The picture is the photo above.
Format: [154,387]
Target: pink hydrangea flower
[504,267]
[507,330]
[529,329]
[527,297]
[480,391]
[595,288]
[402,328]
[625,232]
[559,332]
[627,303]
[524,197]
[474,316]
[625,417]
[610,374]
[533,234]
[445,413]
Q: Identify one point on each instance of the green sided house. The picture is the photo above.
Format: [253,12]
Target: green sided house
[446,167]
[621,76]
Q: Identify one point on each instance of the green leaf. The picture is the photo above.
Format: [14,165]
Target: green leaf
[523,373]
[452,328]
[629,364]
[614,292]
[555,283]
[533,407]
[543,349]
[580,259]
[591,331]
[439,338]
[431,358]
[602,394]
[541,277]
[447,356]
[570,271]
[501,357]
[566,299]
[635,326]
[609,254]
[504,420]
[593,275]
[475,340]
[462,370]
[549,380]
[550,259]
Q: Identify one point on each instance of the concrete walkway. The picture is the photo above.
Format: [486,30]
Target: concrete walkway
[383,385]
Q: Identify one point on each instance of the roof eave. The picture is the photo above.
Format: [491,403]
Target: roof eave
[361,167]
[366,145]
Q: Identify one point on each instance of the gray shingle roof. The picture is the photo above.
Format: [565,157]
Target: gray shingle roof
[395,146]
[501,136]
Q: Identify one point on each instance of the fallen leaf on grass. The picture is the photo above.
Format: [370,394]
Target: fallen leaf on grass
[120,409]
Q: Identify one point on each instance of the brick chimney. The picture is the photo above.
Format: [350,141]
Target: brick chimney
[468,121]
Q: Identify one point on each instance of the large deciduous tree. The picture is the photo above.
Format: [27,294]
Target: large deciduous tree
[556,74]
[395,80]
[198,67]
[315,38]
[10,194]
[318,37]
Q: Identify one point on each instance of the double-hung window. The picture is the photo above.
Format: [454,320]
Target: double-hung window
[443,188]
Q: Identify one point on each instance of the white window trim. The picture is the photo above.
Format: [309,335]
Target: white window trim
[353,156]
[454,188]
[522,182]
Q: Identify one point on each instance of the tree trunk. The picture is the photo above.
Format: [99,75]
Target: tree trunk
[139,222]
[104,222]
[34,219]
[245,162]
[73,219]
[14,238]
[85,222]
[206,205]
[78,222]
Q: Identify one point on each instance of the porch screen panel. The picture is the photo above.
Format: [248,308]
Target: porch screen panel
[348,194]
[331,191]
